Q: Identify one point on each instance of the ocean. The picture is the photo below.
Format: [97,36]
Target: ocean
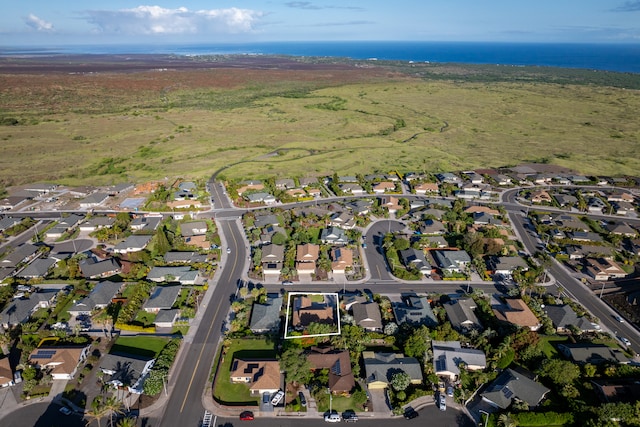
[610,57]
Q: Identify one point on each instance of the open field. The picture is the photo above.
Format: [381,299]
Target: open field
[256,121]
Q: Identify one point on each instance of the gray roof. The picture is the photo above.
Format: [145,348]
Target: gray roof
[186,257]
[266,317]
[162,297]
[18,255]
[19,310]
[381,366]
[461,315]
[448,355]
[414,310]
[39,267]
[451,259]
[592,353]
[507,263]
[178,273]
[563,315]
[100,296]
[512,384]
[94,199]
[128,369]
[333,235]
[165,316]
[272,253]
[194,228]
[6,223]
[71,220]
[146,222]
[414,257]
[133,242]
[367,315]
[91,268]
[99,221]
[264,220]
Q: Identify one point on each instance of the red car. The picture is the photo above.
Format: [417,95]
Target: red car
[246,416]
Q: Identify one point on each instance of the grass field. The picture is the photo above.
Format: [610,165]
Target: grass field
[98,130]
[139,345]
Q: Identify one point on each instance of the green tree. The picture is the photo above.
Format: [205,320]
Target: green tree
[400,381]
[401,244]
[417,343]
[561,372]
[126,422]
[296,365]
[278,239]
[162,245]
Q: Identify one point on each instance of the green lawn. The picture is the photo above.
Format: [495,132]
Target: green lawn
[549,342]
[238,394]
[139,345]
[146,319]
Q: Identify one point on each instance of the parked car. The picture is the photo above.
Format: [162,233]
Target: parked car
[349,416]
[277,398]
[410,413]
[450,391]
[287,282]
[442,402]
[625,341]
[303,401]
[333,418]
[266,397]
[246,416]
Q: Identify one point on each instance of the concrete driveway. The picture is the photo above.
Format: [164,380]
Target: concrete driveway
[379,400]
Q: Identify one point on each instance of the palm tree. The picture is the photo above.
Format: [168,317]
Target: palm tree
[113,406]
[126,422]
[98,410]
[504,420]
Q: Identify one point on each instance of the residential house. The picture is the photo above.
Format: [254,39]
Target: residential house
[6,373]
[449,356]
[166,318]
[620,196]
[307,181]
[23,253]
[604,269]
[503,180]
[272,259]
[541,196]
[435,242]
[595,205]
[474,177]
[285,184]
[584,236]
[563,316]
[579,252]
[261,375]
[94,200]
[348,178]
[7,223]
[250,186]
[415,259]
[360,206]
[516,311]
[195,234]
[565,200]
[305,312]
[621,229]
[265,318]
[512,385]
[162,298]
[39,267]
[333,236]
[626,390]
[133,243]
[306,257]
[93,268]
[432,226]
[474,209]
[262,221]
[97,222]
[380,368]
[414,310]
[64,225]
[341,260]
[367,316]
[432,213]
[462,316]
[20,309]
[100,297]
[452,261]
[595,354]
[449,178]
[179,273]
[623,208]
[126,371]
[354,189]
[61,361]
[505,265]
[338,363]
[569,222]
[266,198]
[184,258]
[343,220]
[392,203]
[146,223]
[426,187]
[383,187]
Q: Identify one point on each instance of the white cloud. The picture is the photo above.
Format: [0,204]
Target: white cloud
[158,20]
[38,24]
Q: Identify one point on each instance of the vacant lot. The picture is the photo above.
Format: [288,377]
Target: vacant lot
[111,127]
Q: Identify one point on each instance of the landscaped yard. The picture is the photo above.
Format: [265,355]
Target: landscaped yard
[238,394]
[549,342]
[139,345]
[146,319]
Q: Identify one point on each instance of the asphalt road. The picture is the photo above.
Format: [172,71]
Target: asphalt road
[184,407]
[378,267]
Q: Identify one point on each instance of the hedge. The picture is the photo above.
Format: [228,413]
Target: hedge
[525,419]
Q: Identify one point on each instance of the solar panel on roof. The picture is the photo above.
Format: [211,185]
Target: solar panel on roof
[507,392]
[42,356]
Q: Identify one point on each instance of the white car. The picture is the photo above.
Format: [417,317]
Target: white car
[625,341]
[333,418]
[228,250]
[277,398]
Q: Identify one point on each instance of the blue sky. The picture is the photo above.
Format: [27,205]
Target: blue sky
[60,22]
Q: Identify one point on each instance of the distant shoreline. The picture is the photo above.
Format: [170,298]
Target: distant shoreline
[624,58]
